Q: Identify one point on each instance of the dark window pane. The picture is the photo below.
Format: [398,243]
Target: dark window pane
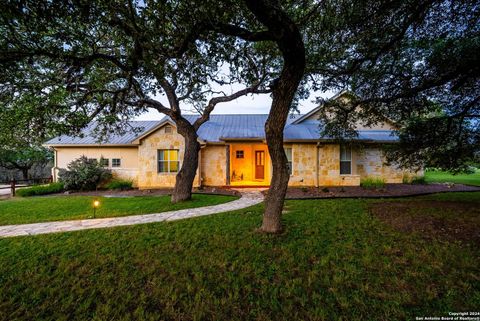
[116,162]
[289,166]
[345,168]
[162,167]
[162,155]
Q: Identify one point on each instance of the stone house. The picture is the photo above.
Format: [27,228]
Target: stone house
[234,153]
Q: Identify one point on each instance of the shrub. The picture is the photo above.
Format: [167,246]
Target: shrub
[40,190]
[418,180]
[120,184]
[84,174]
[372,182]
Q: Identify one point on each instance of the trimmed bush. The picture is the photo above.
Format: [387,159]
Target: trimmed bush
[372,182]
[418,180]
[120,184]
[40,190]
[84,174]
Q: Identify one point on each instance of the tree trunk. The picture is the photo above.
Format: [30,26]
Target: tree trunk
[186,175]
[290,43]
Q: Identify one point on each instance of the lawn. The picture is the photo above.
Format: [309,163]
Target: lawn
[337,260]
[57,208]
[442,177]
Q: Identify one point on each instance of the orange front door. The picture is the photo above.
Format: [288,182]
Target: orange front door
[259,164]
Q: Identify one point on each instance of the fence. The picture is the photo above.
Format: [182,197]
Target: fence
[15,183]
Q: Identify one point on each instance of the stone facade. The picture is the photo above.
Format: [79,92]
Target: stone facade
[213,164]
[149,177]
[312,164]
[304,166]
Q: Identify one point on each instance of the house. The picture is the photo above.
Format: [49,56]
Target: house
[234,153]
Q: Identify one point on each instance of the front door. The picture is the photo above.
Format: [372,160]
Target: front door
[259,164]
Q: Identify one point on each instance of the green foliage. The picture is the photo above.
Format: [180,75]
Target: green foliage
[59,208]
[84,174]
[333,262]
[40,190]
[372,182]
[418,180]
[120,184]
[23,157]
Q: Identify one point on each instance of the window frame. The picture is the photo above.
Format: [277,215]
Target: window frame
[105,162]
[119,162]
[289,161]
[240,154]
[168,161]
[170,129]
[348,151]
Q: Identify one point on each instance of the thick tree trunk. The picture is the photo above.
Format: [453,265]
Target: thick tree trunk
[186,175]
[290,43]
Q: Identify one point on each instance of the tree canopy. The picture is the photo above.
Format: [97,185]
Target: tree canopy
[414,63]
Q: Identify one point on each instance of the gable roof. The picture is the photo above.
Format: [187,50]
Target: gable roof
[218,129]
[316,109]
[87,135]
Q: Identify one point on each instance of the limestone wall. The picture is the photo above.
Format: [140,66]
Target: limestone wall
[303,165]
[369,161]
[329,168]
[213,165]
[148,176]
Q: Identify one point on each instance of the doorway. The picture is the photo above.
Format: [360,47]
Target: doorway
[259,164]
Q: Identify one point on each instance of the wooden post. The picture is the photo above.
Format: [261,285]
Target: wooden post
[227,165]
[12,187]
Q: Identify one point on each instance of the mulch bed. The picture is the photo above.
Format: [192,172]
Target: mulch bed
[152,192]
[390,190]
[428,218]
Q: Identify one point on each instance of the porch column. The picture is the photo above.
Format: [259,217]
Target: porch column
[227,167]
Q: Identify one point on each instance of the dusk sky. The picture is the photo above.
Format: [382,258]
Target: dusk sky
[252,104]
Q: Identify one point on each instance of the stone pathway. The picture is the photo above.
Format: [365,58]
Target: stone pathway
[247,199]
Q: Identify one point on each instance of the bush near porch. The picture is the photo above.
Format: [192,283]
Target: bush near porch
[335,261]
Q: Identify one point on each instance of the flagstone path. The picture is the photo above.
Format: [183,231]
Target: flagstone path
[246,200]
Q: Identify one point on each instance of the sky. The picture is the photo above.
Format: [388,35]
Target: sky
[251,104]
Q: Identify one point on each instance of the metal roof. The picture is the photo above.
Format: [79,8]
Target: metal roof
[87,135]
[220,128]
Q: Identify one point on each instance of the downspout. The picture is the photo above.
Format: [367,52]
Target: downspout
[200,180]
[317,165]
[55,164]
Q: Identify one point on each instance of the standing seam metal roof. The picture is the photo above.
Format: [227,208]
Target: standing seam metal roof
[218,129]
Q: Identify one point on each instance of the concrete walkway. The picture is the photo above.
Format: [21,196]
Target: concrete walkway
[247,199]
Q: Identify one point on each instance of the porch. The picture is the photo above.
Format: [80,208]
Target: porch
[248,164]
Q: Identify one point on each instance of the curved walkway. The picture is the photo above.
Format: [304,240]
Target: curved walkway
[246,200]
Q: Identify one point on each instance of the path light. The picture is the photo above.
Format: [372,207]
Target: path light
[96,204]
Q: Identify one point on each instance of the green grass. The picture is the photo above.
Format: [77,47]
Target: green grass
[57,208]
[445,177]
[334,262]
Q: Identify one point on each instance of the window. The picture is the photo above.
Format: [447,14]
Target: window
[168,161]
[239,154]
[345,160]
[104,162]
[168,129]
[116,162]
[288,152]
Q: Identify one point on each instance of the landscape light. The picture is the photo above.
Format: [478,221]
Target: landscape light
[96,204]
